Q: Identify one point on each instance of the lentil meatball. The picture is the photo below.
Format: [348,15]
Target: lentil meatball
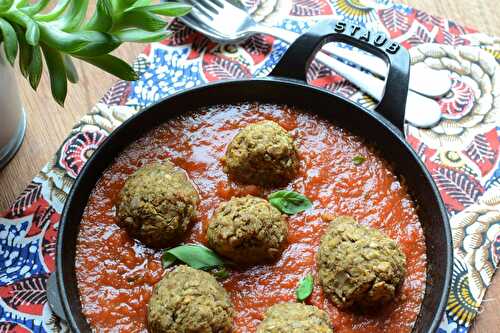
[247,230]
[262,153]
[189,300]
[295,318]
[157,204]
[359,265]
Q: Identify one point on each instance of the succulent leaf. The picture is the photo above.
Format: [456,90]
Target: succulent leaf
[57,73]
[54,13]
[36,7]
[113,65]
[9,40]
[35,67]
[62,32]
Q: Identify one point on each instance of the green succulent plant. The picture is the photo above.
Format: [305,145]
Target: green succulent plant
[57,32]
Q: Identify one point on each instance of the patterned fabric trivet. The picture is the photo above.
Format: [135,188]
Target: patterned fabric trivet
[462,152]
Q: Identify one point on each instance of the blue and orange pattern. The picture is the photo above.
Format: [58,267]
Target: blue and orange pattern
[462,152]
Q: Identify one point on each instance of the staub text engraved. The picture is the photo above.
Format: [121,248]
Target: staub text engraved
[378,39]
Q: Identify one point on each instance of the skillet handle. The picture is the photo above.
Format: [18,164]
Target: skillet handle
[298,57]
[53,297]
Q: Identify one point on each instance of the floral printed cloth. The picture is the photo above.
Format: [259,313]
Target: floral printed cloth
[461,152]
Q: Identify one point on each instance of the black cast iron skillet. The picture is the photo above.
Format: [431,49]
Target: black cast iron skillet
[285,85]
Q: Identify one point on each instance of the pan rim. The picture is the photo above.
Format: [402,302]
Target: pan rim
[390,128]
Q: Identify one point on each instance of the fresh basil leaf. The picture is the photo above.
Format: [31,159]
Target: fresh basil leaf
[141,36]
[57,73]
[102,19]
[168,9]
[9,40]
[289,202]
[35,67]
[196,256]
[54,13]
[220,272]
[71,71]
[113,65]
[358,160]
[304,288]
[167,260]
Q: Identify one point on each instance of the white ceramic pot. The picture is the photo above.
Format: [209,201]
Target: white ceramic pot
[12,115]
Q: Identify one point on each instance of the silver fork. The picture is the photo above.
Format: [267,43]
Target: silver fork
[241,26]
[226,23]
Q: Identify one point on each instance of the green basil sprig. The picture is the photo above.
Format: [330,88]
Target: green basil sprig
[62,33]
[220,272]
[289,202]
[305,288]
[196,256]
[358,160]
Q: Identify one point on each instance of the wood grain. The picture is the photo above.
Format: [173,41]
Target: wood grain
[48,124]
[484,15]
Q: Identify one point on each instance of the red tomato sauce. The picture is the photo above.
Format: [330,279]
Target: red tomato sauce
[116,273]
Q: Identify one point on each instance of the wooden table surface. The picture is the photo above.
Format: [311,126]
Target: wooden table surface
[48,124]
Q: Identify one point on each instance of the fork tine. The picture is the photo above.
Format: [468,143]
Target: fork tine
[229,4]
[199,10]
[216,3]
[201,15]
[208,5]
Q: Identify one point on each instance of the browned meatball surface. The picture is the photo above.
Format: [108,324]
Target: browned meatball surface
[358,265]
[188,300]
[262,153]
[295,318]
[157,204]
[247,230]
